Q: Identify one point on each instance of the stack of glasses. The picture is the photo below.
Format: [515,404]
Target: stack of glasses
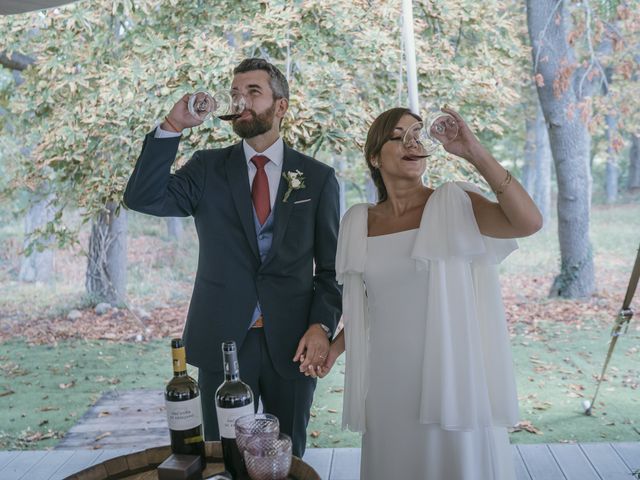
[266,451]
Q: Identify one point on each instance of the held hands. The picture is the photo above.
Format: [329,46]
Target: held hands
[312,351]
[325,368]
[465,144]
[179,117]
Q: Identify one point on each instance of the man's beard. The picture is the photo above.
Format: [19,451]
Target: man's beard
[258,124]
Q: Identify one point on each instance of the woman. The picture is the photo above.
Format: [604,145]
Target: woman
[429,377]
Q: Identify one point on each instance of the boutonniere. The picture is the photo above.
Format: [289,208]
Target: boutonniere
[295,181]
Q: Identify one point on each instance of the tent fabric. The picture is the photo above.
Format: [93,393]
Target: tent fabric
[10,7]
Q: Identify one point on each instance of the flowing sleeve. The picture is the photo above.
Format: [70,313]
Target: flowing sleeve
[350,261]
[467,375]
[449,229]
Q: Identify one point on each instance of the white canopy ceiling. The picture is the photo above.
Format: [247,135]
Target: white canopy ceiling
[8,7]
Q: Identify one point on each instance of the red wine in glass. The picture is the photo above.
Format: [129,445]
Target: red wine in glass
[228,118]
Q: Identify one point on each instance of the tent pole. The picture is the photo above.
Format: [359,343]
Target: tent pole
[410,55]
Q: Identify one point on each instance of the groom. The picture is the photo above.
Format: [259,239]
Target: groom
[266,273]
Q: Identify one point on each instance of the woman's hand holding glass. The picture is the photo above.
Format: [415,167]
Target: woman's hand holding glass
[465,144]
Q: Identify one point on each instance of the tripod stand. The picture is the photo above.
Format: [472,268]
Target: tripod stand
[622,320]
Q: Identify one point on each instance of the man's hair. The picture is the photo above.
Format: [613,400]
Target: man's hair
[277,80]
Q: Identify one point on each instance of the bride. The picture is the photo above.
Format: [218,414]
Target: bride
[429,378]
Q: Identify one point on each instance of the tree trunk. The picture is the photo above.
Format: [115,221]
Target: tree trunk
[37,265]
[633,181]
[542,185]
[611,170]
[570,143]
[529,169]
[106,278]
[175,229]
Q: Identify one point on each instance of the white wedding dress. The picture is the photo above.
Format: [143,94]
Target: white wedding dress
[395,445]
[428,359]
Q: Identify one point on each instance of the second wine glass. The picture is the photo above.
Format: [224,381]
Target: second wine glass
[438,128]
[222,104]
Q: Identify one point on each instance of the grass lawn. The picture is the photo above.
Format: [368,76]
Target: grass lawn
[54,370]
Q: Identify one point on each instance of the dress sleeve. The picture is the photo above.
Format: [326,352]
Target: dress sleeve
[350,262]
[467,373]
[449,230]
[352,242]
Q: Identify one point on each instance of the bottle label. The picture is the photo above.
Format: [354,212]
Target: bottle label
[227,418]
[184,415]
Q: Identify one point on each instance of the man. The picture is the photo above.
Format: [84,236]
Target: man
[268,234]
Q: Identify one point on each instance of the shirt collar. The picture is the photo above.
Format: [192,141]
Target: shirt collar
[275,153]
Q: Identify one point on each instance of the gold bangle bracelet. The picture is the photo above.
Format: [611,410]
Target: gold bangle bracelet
[505,183]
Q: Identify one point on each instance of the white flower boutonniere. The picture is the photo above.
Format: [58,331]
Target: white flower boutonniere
[295,180]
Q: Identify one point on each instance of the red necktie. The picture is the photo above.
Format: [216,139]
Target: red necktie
[260,189]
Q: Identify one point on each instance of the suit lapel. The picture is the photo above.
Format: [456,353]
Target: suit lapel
[238,175]
[282,210]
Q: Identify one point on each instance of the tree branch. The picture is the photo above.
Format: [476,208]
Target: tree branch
[542,35]
[592,54]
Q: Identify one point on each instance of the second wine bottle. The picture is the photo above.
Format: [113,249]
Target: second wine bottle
[234,399]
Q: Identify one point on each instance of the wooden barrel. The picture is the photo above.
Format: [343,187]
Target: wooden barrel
[142,466]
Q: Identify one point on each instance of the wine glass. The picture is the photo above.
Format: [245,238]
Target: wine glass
[441,128]
[222,104]
[268,458]
[255,425]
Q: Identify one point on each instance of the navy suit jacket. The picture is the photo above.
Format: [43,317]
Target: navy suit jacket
[296,284]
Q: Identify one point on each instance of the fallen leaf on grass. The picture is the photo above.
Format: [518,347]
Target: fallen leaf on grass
[101,436]
[6,392]
[337,390]
[38,436]
[48,409]
[111,381]
[332,410]
[103,414]
[527,426]
[315,434]
[64,386]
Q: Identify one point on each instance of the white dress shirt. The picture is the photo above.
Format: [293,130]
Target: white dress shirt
[273,169]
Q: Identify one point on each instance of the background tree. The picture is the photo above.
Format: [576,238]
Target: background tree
[570,54]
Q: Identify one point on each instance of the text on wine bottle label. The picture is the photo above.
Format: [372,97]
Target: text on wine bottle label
[184,415]
[227,418]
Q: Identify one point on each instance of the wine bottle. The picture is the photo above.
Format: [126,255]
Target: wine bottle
[184,411]
[234,399]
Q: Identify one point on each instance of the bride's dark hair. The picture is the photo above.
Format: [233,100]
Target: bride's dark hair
[380,131]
